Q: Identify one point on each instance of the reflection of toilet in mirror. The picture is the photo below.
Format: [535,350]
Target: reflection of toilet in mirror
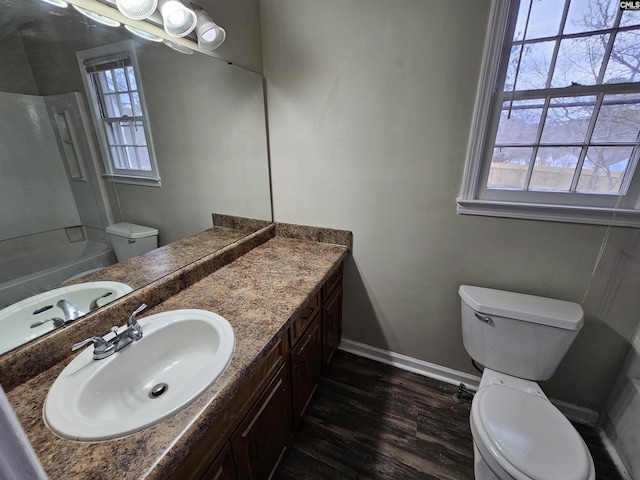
[517,432]
[130,240]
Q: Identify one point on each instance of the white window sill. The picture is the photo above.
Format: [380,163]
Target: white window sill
[552,213]
[132,180]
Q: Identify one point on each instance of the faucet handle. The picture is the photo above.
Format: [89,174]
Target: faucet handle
[94,303]
[132,318]
[100,343]
[57,322]
[102,348]
[134,330]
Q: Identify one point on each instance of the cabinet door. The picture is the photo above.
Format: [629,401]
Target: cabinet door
[263,436]
[332,327]
[306,368]
[222,468]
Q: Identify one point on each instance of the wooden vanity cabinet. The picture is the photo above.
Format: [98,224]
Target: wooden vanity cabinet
[264,435]
[198,464]
[256,428]
[223,467]
[331,317]
[306,367]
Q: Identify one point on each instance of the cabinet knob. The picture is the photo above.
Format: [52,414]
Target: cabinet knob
[255,452]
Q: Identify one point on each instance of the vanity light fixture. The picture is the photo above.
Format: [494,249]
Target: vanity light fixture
[179,21]
[210,35]
[110,22]
[57,3]
[143,34]
[137,9]
[177,47]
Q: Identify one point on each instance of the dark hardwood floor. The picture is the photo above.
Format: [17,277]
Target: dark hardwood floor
[368,420]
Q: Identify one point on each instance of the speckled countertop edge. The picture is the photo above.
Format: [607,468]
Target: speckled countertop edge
[259,293]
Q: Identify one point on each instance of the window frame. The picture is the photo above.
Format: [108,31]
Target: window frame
[114,174]
[476,199]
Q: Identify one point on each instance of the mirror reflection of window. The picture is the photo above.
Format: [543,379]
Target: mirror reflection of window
[118,108]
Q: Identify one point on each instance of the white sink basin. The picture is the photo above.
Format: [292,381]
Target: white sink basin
[181,353]
[16,319]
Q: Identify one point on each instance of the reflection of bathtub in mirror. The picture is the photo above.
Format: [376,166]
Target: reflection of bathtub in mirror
[36,272]
[34,316]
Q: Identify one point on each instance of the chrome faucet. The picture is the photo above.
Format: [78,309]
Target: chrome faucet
[104,348]
[71,312]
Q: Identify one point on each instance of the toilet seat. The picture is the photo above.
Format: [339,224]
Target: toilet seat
[527,436]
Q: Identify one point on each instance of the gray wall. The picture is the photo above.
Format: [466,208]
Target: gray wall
[370,105]
[208,126]
[15,71]
[241,21]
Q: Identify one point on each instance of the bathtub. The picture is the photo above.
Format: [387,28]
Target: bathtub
[24,276]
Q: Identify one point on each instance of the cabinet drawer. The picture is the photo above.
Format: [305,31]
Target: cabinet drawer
[301,323]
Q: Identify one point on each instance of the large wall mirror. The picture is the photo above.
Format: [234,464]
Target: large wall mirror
[207,124]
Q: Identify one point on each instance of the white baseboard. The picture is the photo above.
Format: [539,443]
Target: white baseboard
[573,412]
[431,370]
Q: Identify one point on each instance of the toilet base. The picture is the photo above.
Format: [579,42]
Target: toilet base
[481,470]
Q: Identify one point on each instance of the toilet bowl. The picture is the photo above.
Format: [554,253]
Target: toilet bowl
[517,433]
[130,240]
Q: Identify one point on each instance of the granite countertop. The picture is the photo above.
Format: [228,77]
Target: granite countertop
[259,293]
[139,271]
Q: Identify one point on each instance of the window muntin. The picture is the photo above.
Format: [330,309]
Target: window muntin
[119,112]
[568,133]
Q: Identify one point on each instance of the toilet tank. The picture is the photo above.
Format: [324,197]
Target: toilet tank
[130,240]
[521,335]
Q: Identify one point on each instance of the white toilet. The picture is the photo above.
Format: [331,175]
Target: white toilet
[517,432]
[130,240]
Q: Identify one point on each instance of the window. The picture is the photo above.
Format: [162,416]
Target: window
[117,105]
[555,133]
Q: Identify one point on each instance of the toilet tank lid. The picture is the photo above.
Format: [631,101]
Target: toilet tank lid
[131,230]
[529,308]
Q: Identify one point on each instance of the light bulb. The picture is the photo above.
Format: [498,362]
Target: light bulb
[178,20]
[137,9]
[210,35]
